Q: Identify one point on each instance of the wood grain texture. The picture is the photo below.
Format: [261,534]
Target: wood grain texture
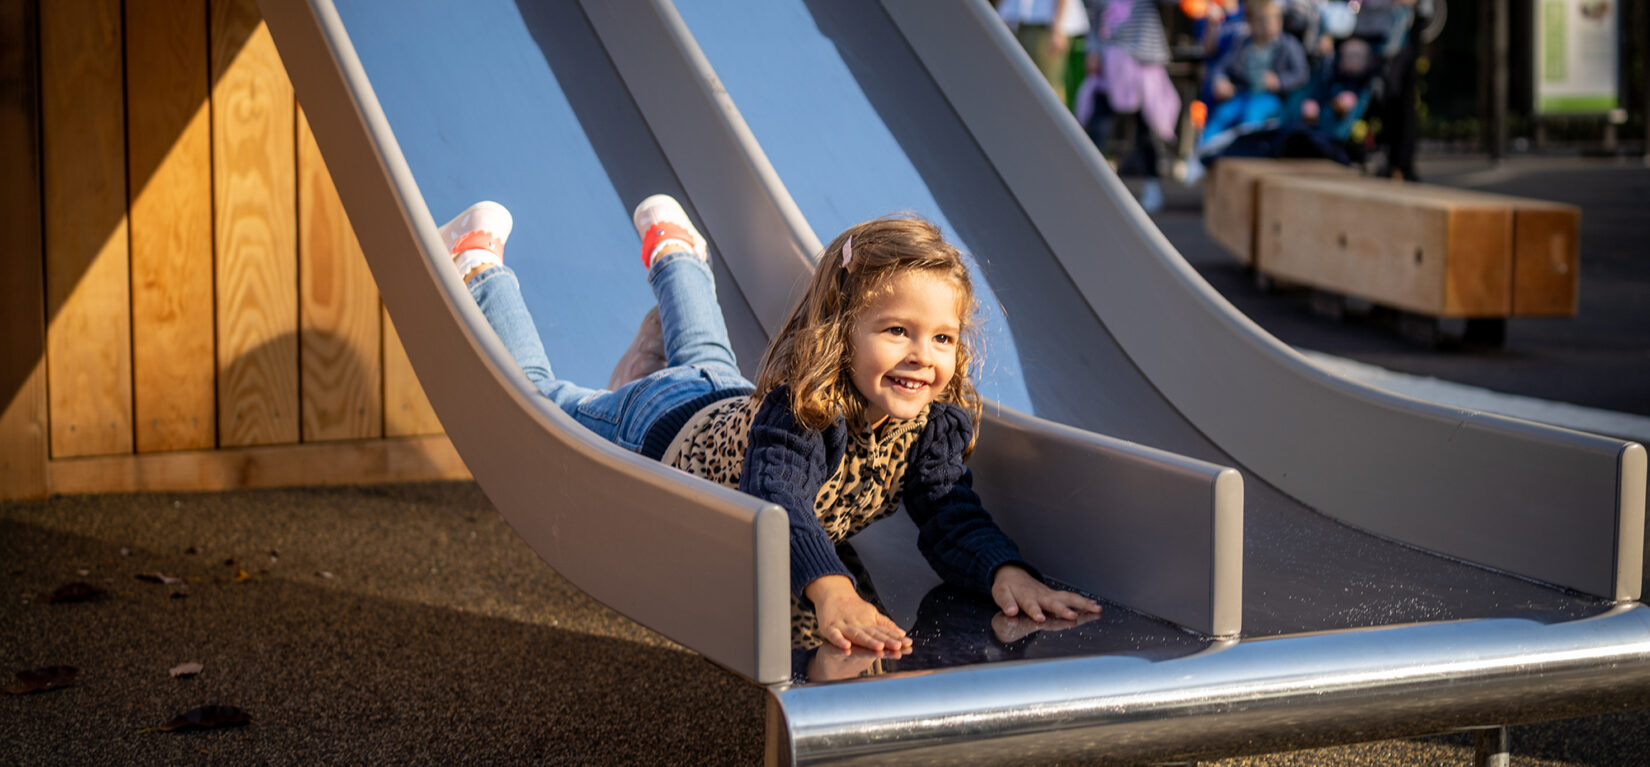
[338,311]
[169,146]
[407,409]
[1433,251]
[24,447]
[1546,260]
[255,231]
[1230,198]
[88,289]
[411,459]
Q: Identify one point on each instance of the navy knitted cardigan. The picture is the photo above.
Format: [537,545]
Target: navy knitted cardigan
[787,463]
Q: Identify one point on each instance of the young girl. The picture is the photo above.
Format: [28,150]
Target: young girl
[863,401]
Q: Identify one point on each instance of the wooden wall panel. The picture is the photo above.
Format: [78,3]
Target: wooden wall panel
[23,444]
[169,146]
[88,295]
[407,410]
[338,310]
[255,224]
[413,459]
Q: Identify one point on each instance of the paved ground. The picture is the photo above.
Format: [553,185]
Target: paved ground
[409,624]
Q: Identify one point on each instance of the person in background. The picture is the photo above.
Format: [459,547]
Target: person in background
[1127,52]
[1250,82]
[1044,29]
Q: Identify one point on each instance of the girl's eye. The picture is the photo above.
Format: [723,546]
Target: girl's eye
[943,339]
[898,331]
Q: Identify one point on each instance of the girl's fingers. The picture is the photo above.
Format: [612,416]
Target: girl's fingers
[834,637]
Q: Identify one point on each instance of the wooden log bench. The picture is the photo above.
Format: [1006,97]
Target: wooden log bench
[1231,197]
[1453,263]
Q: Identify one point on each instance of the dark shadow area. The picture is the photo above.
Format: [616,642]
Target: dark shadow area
[624,143]
[387,625]
[1302,570]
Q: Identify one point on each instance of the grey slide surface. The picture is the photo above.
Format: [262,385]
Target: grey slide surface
[530,107]
[861,109]
[1126,386]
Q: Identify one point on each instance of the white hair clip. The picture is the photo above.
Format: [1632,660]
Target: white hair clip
[847,251]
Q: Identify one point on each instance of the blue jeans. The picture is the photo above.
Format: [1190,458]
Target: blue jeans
[698,356]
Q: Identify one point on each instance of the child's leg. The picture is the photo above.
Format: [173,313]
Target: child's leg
[1261,106]
[689,315]
[498,293]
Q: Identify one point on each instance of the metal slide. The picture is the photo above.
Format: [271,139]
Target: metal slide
[570,113]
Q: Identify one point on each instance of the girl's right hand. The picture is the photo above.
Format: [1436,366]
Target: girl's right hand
[846,620]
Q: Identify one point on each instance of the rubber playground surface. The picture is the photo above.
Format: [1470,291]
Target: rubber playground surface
[409,624]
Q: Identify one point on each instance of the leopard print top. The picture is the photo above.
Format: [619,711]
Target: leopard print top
[865,488]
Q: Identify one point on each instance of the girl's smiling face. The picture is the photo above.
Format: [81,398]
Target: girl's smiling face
[905,346]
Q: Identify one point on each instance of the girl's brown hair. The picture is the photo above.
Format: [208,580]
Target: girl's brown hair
[814,350]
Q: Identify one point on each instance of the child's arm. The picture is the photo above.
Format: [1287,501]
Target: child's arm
[1225,73]
[786,464]
[960,539]
[1290,65]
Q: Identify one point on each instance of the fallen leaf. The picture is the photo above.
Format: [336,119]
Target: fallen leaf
[125,552]
[158,578]
[325,574]
[187,669]
[77,591]
[207,717]
[242,576]
[83,573]
[40,679]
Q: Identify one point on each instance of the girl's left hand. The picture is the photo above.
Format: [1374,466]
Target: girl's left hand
[1015,591]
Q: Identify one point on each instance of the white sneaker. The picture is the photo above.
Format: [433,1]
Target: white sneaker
[1151,198]
[665,228]
[475,238]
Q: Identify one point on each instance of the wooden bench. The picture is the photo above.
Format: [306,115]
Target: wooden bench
[1231,196]
[1432,250]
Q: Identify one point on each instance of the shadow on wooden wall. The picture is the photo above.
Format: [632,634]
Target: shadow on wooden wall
[198,289]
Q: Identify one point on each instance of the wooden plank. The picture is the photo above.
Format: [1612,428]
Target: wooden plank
[88,287]
[410,459]
[1546,260]
[255,231]
[338,311]
[23,436]
[1431,251]
[1230,197]
[407,410]
[169,146]
[1546,247]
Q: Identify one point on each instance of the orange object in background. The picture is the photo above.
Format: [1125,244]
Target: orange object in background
[1194,9]
[1199,113]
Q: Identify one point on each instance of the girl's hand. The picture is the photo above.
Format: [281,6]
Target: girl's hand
[1015,591]
[846,620]
[831,663]
[1010,630]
